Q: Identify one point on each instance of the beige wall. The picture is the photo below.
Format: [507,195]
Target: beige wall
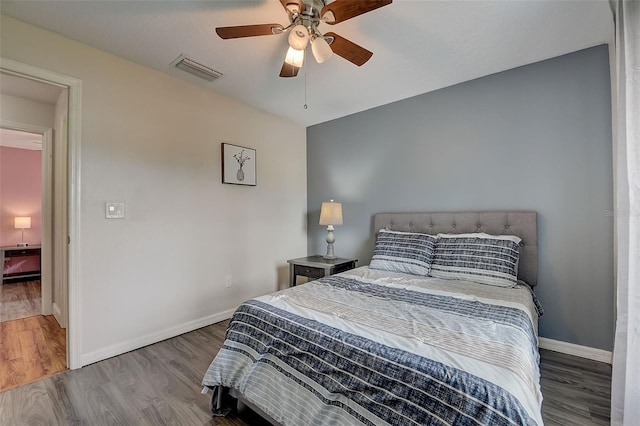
[153,142]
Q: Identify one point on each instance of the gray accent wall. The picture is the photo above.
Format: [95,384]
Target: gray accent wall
[535,138]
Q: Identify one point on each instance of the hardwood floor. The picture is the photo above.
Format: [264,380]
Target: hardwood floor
[576,391]
[160,384]
[30,349]
[20,300]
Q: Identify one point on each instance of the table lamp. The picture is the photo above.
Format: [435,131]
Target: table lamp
[330,214]
[21,222]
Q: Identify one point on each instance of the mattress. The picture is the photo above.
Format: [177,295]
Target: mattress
[369,347]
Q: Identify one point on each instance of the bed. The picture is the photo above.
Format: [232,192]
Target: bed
[378,345]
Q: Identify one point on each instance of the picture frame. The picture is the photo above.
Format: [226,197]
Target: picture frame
[238,165]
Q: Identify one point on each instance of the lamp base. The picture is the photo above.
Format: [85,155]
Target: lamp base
[329,257]
[22,244]
[330,240]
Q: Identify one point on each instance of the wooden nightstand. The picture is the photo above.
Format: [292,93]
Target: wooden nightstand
[317,267]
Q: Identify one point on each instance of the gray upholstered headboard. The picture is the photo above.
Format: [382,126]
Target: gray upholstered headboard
[522,224]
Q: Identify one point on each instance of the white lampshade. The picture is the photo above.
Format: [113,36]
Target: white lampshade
[299,37]
[21,222]
[321,49]
[331,213]
[294,57]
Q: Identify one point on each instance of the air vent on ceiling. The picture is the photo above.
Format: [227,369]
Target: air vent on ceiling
[195,68]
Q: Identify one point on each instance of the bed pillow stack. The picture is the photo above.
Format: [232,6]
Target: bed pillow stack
[478,257]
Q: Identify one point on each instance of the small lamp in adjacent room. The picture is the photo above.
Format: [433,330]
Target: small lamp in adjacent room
[330,214]
[22,222]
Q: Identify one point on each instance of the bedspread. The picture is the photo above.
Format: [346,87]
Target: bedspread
[374,348]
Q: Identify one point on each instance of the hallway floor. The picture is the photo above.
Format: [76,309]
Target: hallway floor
[31,349]
[20,300]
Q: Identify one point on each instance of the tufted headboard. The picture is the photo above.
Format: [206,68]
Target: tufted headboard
[521,224]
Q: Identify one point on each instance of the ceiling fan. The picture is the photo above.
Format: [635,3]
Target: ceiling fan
[304,18]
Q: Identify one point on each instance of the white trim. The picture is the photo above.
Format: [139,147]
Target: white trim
[23,127]
[74,322]
[56,310]
[74,293]
[575,350]
[46,254]
[139,342]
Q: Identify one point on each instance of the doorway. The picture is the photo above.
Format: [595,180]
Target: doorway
[66,222]
[21,209]
[31,165]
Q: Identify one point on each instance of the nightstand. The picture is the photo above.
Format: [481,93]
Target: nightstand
[19,253]
[317,267]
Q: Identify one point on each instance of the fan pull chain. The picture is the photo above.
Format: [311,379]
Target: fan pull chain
[305,90]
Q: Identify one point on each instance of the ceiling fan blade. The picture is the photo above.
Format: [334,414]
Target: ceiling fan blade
[293,5]
[341,10]
[249,30]
[349,50]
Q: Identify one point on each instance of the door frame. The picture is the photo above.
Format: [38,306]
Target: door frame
[46,278]
[74,86]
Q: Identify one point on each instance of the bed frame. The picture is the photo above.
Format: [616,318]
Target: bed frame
[521,224]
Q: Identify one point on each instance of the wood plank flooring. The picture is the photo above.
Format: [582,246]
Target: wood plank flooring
[576,391]
[20,300]
[160,385]
[30,349]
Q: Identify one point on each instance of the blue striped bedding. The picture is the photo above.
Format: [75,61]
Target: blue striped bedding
[371,347]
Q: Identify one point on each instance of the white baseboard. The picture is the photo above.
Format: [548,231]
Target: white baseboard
[575,350]
[57,314]
[130,345]
[56,310]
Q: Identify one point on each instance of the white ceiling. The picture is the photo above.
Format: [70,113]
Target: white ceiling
[418,46]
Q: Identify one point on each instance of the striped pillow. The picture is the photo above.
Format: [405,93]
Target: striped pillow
[406,252]
[481,258]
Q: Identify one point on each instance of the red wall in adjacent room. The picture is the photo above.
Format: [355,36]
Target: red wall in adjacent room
[20,194]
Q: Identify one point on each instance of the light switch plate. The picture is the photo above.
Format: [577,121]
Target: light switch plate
[114,210]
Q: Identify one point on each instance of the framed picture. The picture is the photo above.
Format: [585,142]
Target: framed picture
[238,165]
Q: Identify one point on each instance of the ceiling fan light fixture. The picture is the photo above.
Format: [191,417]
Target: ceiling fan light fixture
[299,37]
[321,49]
[329,17]
[293,7]
[305,16]
[294,57]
